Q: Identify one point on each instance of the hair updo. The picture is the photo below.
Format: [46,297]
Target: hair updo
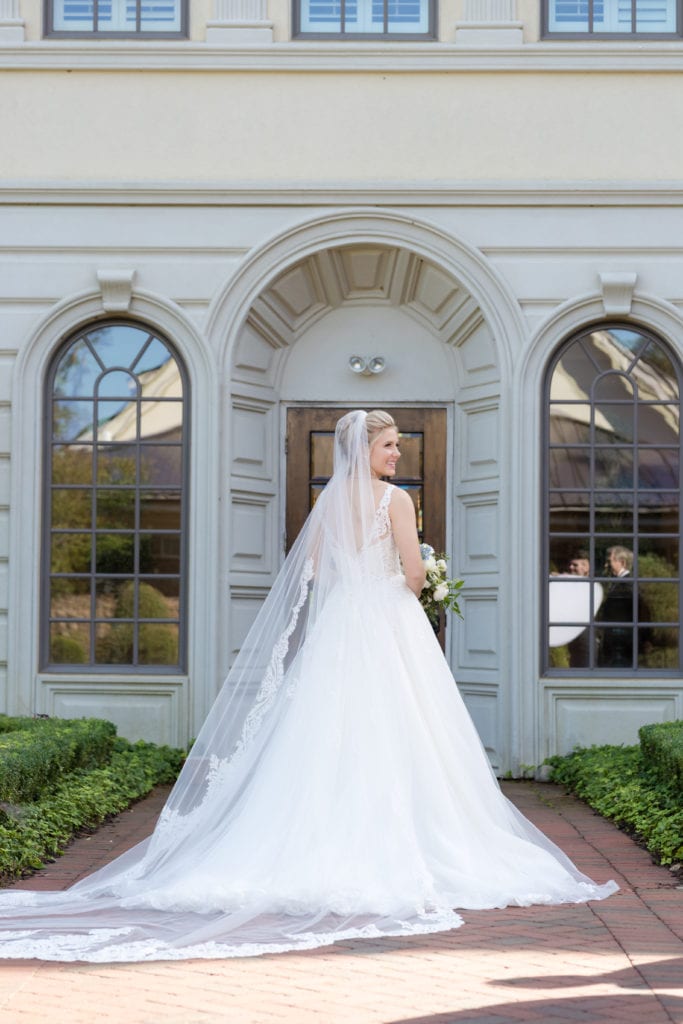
[377,421]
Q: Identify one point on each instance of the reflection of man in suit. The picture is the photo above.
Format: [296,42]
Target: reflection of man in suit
[616,645]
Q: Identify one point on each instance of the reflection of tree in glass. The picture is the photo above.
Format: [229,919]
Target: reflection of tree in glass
[157,642]
[72,508]
[66,650]
[76,365]
[661,648]
[559,657]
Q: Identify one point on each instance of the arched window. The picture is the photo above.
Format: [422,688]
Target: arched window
[612,504]
[116,499]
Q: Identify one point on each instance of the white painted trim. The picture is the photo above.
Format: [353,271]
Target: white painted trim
[229,308]
[615,56]
[529,193]
[499,307]
[26,499]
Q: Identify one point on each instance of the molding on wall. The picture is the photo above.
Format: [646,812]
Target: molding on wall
[527,193]
[351,57]
[76,310]
[617,292]
[116,287]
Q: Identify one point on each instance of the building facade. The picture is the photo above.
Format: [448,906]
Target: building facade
[219,225]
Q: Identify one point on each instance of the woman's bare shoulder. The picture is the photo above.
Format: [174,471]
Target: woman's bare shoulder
[401,501]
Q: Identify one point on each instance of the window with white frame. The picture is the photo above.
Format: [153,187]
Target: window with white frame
[400,19]
[611,17]
[113,18]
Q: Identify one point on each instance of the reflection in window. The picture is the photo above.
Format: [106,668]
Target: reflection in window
[114,524]
[612,504]
[116,17]
[611,17]
[401,19]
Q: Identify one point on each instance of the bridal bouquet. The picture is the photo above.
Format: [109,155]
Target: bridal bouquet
[438,592]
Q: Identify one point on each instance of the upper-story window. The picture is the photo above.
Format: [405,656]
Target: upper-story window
[615,18]
[117,18]
[358,19]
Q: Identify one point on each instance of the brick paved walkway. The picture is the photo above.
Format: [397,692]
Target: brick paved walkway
[619,961]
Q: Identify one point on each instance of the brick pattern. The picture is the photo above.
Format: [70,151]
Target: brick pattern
[618,961]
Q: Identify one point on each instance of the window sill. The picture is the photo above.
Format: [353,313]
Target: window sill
[347,57]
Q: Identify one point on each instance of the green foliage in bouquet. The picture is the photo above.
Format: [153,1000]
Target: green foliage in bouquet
[439,593]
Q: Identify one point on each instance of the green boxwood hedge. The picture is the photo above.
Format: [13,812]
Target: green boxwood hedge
[35,756]
[662,747]
[638,787]
[90,780]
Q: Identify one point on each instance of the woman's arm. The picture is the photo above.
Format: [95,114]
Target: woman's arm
[404,528]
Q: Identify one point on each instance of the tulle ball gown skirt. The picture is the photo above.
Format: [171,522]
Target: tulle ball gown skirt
[371,810]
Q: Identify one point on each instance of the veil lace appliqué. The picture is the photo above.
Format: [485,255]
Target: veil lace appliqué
[274,674]
[221,768]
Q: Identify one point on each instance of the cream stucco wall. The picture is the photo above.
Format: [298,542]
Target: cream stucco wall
[361,127]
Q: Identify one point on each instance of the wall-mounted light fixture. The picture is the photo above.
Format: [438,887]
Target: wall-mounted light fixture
[373,364]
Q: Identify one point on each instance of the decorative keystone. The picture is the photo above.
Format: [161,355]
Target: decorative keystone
[617,292]
[117,289]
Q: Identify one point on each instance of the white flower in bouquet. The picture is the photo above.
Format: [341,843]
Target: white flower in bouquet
[438,591]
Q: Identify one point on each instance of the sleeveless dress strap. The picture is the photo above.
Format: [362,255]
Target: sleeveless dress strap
[382,511]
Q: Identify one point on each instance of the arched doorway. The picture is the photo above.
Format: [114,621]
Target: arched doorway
[294,350]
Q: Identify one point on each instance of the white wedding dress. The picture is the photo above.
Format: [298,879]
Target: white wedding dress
[370,810]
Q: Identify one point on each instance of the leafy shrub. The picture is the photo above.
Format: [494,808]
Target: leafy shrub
[620,784]
[34,759]
[662,747]
[83,800]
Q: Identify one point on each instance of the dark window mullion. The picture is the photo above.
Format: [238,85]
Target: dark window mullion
[635,570]
[93,529]
[136,542]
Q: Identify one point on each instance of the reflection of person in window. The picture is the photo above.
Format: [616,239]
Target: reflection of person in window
[616,644]
[580,564]
[578,649]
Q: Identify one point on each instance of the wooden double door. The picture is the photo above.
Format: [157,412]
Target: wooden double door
[421,469]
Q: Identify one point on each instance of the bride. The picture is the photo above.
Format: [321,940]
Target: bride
[338,787]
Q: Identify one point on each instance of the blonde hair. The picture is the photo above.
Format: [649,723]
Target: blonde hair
[377,421]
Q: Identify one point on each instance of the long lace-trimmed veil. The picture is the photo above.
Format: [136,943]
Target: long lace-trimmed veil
[336,543]
[145,904]
[337,789]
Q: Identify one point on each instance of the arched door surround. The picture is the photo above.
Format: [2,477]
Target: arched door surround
[286,326]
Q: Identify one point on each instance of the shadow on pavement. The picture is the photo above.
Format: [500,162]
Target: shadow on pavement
[605,1009]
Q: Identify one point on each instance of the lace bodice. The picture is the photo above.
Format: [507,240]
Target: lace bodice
[383,540]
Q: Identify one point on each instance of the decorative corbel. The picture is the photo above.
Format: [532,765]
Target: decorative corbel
[617,292]
[117,289]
